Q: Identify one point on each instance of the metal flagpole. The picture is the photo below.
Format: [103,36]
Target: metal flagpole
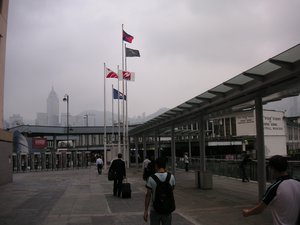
[119,127]
[123,114]
[112,114]
[104,117]
[126,123]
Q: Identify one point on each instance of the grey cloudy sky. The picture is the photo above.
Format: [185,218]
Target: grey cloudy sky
[187,47]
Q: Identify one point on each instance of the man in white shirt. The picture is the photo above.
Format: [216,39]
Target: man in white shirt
[186,161]
[99,164]
[283,196]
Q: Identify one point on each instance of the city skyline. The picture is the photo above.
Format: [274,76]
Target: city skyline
[52,116]
[186,48]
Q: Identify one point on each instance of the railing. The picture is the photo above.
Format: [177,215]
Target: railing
[50,161]
[230,168]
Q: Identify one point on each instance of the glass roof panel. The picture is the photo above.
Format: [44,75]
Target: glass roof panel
[184,105]
[194,100]
[263,68]
[221,88]
[207,95]
[292,55]
[239,80]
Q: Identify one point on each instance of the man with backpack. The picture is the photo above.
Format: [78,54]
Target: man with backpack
[160,187]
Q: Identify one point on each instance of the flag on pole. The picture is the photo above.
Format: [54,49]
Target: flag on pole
[110,73]
[126,75]
[127,37]
[132,52]
[118,95]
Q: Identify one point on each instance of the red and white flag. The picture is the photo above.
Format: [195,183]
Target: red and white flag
[110,73]
[126,75]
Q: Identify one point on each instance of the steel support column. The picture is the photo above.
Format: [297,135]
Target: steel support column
[173,150]
[136,142]
[155,146]
[144,146]
[260,147]
[201,129]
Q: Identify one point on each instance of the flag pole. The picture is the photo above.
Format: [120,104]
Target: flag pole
[126,123]
[119,127]
[105,162]
[112,114]
[123,114]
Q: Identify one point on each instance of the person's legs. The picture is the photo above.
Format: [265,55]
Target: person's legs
[157,219]
[244,177]
[154,218]
[186,167]
[115,187]
[166,219]
[119,186]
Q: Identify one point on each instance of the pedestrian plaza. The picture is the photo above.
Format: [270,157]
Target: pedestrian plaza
[82,197]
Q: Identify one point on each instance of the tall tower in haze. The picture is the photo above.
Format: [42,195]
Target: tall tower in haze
[53,109]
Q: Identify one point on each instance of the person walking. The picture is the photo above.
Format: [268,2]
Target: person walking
[243,166]
[145,165]
[283,196]
[99,164]
[160,187]
[119,170]
[186,161]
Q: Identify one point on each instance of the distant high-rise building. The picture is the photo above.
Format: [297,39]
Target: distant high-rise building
[41,119]
[16,120]
[53,109]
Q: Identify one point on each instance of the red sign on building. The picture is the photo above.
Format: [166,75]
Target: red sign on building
[39,143]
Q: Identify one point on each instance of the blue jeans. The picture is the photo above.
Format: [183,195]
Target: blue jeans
[160,219]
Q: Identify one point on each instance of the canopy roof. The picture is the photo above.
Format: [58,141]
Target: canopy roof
[273,80]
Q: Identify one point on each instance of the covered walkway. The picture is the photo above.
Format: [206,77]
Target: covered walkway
[272,80]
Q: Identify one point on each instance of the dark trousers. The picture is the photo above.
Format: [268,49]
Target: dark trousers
[99,167]
[244,174]
[118,186]
[186,167]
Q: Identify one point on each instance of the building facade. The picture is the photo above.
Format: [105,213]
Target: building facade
[5,137]
[53,108]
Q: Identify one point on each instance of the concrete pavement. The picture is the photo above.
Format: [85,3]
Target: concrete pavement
[82,197]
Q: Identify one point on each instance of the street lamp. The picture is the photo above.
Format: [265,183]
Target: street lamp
[86,116]
[66,99]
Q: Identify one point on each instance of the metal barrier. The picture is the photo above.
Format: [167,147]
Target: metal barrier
[230,168]
[50,161]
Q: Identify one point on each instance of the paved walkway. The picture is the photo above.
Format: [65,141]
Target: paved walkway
[82,197]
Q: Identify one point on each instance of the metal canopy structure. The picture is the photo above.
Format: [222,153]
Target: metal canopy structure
[274,79]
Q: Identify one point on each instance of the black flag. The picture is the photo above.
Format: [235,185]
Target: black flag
[132,52]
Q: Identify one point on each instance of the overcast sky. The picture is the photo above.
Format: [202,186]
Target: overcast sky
[186,47]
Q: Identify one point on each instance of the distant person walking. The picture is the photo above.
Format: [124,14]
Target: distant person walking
[145,165]
[119,170]
[149,169]
[186,161]
[99,164]
[283,196]
[160,187]
[243,166]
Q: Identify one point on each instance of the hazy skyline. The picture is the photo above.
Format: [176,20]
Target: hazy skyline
[186,47]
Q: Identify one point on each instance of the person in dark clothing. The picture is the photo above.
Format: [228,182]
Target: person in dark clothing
[118,167]
[149,169]
[243,165]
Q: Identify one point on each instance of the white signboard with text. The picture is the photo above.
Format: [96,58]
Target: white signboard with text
[273,123]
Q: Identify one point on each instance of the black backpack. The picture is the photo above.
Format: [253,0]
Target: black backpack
[164,202]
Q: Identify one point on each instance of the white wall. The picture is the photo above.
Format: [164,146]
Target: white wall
[274,130]
[275,145]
